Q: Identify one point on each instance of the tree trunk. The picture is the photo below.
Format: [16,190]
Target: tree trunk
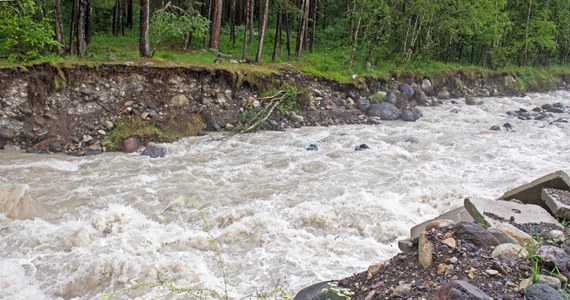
[73,25]
[116,18]
[216,25]
[58,29]
[288,33]
[81,45]
[314,23]
[251,8]
[144,48]
[87,22]
[130,22]
[123,16]
[187,41]
[262,31]
[302,28]
[247,8]
[233,22]
[526,42]
[277,35]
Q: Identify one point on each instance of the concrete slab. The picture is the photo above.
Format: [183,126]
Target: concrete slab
[492,213]
[558,201]
[530,193]
[457,215]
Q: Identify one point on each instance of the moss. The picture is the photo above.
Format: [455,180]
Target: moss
[168,131]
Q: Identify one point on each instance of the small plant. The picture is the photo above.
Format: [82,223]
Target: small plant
[290,101]
[336,292]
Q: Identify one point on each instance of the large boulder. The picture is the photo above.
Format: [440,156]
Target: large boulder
[131,145]
[384,110]
[475,234]
[391,97]
[420,96]
[406,89]
[327,290]
[427,86]
[155,151]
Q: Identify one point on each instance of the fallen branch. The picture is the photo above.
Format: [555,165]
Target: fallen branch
[267,114]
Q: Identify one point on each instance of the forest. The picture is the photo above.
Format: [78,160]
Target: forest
[337,34]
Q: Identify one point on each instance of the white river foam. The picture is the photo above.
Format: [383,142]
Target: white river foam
[278,214]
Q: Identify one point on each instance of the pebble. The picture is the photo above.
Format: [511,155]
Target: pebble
[491,272]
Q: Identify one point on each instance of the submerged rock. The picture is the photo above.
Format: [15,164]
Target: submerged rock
[384,110]
[312,147]
[155,151]
[361,147]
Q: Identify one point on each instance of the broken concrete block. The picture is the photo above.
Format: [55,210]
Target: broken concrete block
[456,215]
[530,193]
[558,201]
[492,213]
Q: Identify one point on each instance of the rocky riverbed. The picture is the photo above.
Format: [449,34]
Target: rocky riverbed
[85,111]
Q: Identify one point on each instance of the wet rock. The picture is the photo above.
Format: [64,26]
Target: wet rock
[460,290]
[552,109]
[154,151]
[473,101]
[411,140]
[179,101]
[295,118]
[420,96]
[427,86]
[444,94]
[312,147]
[407,115]
[93,152]
[327,290]
[338,101]
[55,147]
[406,89]
[363,104]
[384,110]
[495,128]
[508,126]
[131,145]
[361,147]
[541,291]
[351,94]
[553,257]
[391,97]
[475,234]
[455,111]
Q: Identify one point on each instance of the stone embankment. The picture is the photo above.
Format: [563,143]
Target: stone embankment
[510,248]
[87,110]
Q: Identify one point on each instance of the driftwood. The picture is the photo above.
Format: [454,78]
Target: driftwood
[264,114]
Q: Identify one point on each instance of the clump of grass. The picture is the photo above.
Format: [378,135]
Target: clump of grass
[129,127]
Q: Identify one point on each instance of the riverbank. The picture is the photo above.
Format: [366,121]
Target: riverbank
[84,110]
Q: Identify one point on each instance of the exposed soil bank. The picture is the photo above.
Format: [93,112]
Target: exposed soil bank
[83,109]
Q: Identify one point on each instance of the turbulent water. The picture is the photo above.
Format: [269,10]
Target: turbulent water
[275,214]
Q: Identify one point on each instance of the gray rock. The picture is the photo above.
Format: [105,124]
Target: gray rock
[179,101]
[351,94]
[407,115]
[55,147]
[502,236]
[531,193]
[460,290]
[420,96]
[444,94]
[550,280]
[295,117]
[406,89]
[417,113]
[384,110]
[553,257]
[426,86]
[338,101]
[473,101]
[363,104]
[155,151]
[541,291]
[391,97]
[327,290]
[556,200]
[475,234]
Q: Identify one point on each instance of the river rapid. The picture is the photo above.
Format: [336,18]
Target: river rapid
[273,213]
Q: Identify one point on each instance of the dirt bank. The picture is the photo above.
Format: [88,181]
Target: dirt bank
[82,109]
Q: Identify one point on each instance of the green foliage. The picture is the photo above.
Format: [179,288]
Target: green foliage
[25,32]
[290,101]
[171,23]
[129,127]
